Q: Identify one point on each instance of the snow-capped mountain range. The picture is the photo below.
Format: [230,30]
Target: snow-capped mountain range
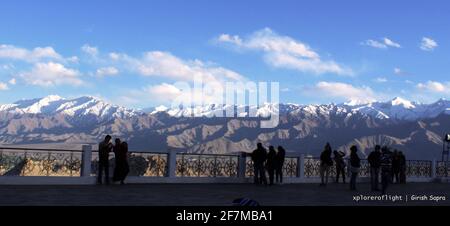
[397,108]
[82,106]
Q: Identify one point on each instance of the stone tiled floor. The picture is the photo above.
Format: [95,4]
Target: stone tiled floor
[211,194]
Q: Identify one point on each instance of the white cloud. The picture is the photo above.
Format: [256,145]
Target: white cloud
[434,87]
[391,43]
[315,66]
[374,44]
[345,91]
[105,71]
[285,52]
[91,50]
[164,64]
[428,44]
[230,39]
[51,74]
[73,59]
[381,80]
[399,71]
[3,86]
[12,81]
[383,44]
[114,56]
[166,92]
[7,67]
[176,94]
[34,55]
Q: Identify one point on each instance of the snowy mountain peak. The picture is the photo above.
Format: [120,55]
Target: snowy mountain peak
[51,98]
[160,108]
[356,102]
[398,101]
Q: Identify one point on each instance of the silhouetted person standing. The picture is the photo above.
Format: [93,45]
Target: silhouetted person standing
[340,165]
[121,155]
[395,167]
[281,154]
[374,162]
[104,148]
[386,167]
[402,160]
[355,165]
[325,164]
[271,163]
[259,157]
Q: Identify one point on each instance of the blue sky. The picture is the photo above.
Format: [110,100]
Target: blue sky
[131,52]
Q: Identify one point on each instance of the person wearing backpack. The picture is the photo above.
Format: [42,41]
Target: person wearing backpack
[340,165]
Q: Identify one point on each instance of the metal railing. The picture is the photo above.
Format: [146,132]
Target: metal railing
[39,162]
[24,162]
[206,165]
[413,168]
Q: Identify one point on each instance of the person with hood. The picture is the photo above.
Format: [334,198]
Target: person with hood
[325,164]
[271,164]
[355,165]
[374,162]
[122,168]
[340,165]
[281,154]
[259,157]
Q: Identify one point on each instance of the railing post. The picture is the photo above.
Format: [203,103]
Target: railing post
[242,164]
[301,166]
[172,161]
[86,158]
[433,168]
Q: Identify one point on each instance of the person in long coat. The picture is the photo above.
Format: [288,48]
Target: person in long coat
[122,168]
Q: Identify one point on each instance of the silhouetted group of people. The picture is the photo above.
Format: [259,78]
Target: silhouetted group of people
[271,161]
[121,168]
[326,162]
[390,165]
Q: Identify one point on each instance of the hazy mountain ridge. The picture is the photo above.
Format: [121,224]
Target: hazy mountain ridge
[413,127]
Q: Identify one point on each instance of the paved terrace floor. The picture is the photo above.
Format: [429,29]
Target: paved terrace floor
[211,194]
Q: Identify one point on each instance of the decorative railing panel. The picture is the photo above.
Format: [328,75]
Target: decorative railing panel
[204,165]
[311,167]
[40,163]
[418,168]
[442,169]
